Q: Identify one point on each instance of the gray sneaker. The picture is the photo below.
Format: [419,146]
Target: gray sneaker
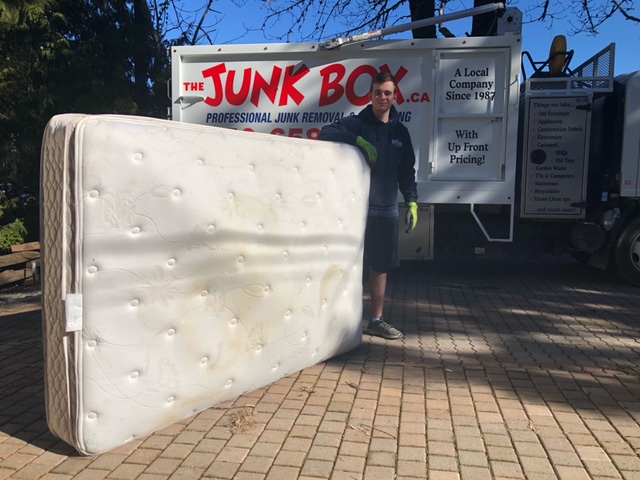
[383,329]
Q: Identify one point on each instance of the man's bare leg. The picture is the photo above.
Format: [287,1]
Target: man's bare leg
[377,287]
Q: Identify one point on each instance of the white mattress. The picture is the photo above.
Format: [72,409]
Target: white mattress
[185,265]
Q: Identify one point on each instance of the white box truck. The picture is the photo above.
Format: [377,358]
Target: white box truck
[509,162]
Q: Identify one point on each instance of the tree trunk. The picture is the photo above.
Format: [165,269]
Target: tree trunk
[421,9]
[141,52]
[485,24]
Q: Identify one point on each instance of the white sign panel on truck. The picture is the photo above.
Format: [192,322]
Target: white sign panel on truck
[455,96]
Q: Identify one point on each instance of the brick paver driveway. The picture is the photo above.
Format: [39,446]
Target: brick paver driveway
[507,370]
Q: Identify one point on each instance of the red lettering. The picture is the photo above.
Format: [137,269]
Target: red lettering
[313,133]
[214,73]
[288,88]
[399,75]
[277,131]
[353,98]
[239,98]
[295,132]
[419,97]
[330,90]
[193,86]
[269,88]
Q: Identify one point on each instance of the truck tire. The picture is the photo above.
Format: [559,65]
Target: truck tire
[627,253]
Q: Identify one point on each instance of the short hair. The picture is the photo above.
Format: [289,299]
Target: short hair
[381,78]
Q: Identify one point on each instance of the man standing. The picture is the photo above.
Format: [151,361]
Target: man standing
[386,144]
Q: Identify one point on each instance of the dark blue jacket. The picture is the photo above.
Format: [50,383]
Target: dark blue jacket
[396,160]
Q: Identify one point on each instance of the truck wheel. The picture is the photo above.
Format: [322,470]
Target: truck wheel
[627,252]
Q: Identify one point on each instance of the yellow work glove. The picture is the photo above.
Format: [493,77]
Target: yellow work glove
[369,150]
[411,217]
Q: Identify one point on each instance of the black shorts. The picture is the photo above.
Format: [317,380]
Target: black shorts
[381,243]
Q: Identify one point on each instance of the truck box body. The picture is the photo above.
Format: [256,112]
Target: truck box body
[457,97]
[630,168]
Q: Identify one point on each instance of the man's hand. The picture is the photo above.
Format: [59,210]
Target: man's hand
[411,217]
[370,150]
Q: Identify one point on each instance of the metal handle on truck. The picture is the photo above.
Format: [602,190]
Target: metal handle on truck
[336,42]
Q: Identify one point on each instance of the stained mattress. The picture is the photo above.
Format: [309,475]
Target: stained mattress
[185,265]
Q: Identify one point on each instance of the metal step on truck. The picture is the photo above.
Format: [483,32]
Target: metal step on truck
[514,157]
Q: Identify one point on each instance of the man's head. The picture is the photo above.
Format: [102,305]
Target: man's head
[383,77]
[382,94]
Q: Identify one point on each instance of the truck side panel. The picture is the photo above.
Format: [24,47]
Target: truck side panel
[458,97]
[630,172]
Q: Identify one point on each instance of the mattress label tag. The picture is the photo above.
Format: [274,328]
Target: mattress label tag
[73,312]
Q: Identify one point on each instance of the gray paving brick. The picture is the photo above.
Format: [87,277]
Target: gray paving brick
[520,380]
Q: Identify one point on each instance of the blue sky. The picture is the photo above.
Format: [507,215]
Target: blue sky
[536,36]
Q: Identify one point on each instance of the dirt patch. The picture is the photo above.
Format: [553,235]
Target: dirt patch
[241,420]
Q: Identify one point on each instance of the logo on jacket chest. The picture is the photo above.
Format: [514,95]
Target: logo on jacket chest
[396,143]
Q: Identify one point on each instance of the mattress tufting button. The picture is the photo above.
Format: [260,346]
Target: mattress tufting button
[135,302]
[204,293]
[211,228]
[92,343]
[170,400]
[259,228]
[92,269]
[93,194]
[171,332]
[204,360]
[171,262]
[287,313]
[229,382]
[233,321]
[176,192]
[200,162]
[240,259]
[92,415]
[135,375]
[135,230]
[137,156]
[285,254]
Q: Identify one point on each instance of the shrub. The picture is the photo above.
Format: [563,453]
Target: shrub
[12,234]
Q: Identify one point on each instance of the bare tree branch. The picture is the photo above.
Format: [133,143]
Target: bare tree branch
[625,12]
[197,30]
